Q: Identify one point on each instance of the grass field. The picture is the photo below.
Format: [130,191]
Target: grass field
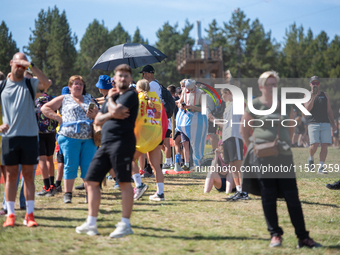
[187,222]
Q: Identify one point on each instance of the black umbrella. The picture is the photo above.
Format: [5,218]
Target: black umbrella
[133,54]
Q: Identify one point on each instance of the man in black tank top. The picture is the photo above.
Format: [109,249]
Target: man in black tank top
[319,124]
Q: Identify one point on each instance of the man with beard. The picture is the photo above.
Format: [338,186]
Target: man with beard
[117,118]
[20,133]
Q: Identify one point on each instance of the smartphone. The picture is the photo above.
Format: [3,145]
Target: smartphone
[91,106]
[315,90]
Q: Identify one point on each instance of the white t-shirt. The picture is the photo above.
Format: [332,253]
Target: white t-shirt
[18,108]
[155,87]
[231,128]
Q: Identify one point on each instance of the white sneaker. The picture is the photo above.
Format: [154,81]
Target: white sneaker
[167,166]
[322,171]
[85,228]
[157,197]
[140,191]
[122,229]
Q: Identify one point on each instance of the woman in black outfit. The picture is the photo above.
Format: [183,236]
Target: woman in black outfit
[278,184]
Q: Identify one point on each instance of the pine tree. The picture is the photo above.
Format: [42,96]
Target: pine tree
[138,38]
[119,36]
[170,41]
[260,53]
[236,32]
[8,48]
[52,48]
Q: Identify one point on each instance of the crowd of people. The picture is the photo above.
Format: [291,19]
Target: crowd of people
[136,126]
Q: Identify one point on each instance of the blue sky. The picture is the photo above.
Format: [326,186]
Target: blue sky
[149,16]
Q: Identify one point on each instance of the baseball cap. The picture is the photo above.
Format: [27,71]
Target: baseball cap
[190,84]
[148,69]
[314,78]
[104,82]
[65,90]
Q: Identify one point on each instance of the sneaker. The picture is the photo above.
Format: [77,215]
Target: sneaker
[308,242]
[29,220]
[185,168]
[116,186]
[45,193]
[10,221]
[240,196]
[275,241]
[89,230]
[3,212]
[122,229]
[322,171]
[335,185]
[212,152]
[147,175]
[53,190]
[166,166]
[67,198]
[58,189]
[232,196]
[140,191]
[157,197]
[80,187]
[311,165]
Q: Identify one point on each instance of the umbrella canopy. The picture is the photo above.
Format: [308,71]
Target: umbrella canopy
[133,54]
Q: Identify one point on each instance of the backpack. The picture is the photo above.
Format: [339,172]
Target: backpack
[168,101]
[45,124]
[28,84]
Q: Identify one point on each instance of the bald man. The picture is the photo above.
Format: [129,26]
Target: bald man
[20,133]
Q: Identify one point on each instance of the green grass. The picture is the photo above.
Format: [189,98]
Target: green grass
[187,222]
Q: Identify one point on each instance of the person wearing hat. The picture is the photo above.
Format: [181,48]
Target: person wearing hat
[319,123]
[104,84]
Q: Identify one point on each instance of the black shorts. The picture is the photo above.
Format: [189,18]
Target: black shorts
[177,133]
[223,187]
[60,157]
[116,155]
[46,144]
[232,149]
[23,150]
[211,128]
[168,133]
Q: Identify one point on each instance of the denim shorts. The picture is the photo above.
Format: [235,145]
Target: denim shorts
[319,133]
[77,152]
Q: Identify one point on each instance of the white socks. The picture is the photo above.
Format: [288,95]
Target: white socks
[160,188]
[126,221]
[186,164]
[321,164]
[91,221]
[311,158]
[10,207]
[29,206]
[238,188]
[168,161]
[137,179]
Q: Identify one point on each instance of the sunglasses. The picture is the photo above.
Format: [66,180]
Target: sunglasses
[24,67]
[316,83]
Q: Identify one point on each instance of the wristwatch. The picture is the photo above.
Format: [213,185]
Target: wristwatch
[31,65]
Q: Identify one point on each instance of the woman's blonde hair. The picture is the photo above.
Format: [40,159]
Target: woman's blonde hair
[182,82]
[144,87]
[263,77]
